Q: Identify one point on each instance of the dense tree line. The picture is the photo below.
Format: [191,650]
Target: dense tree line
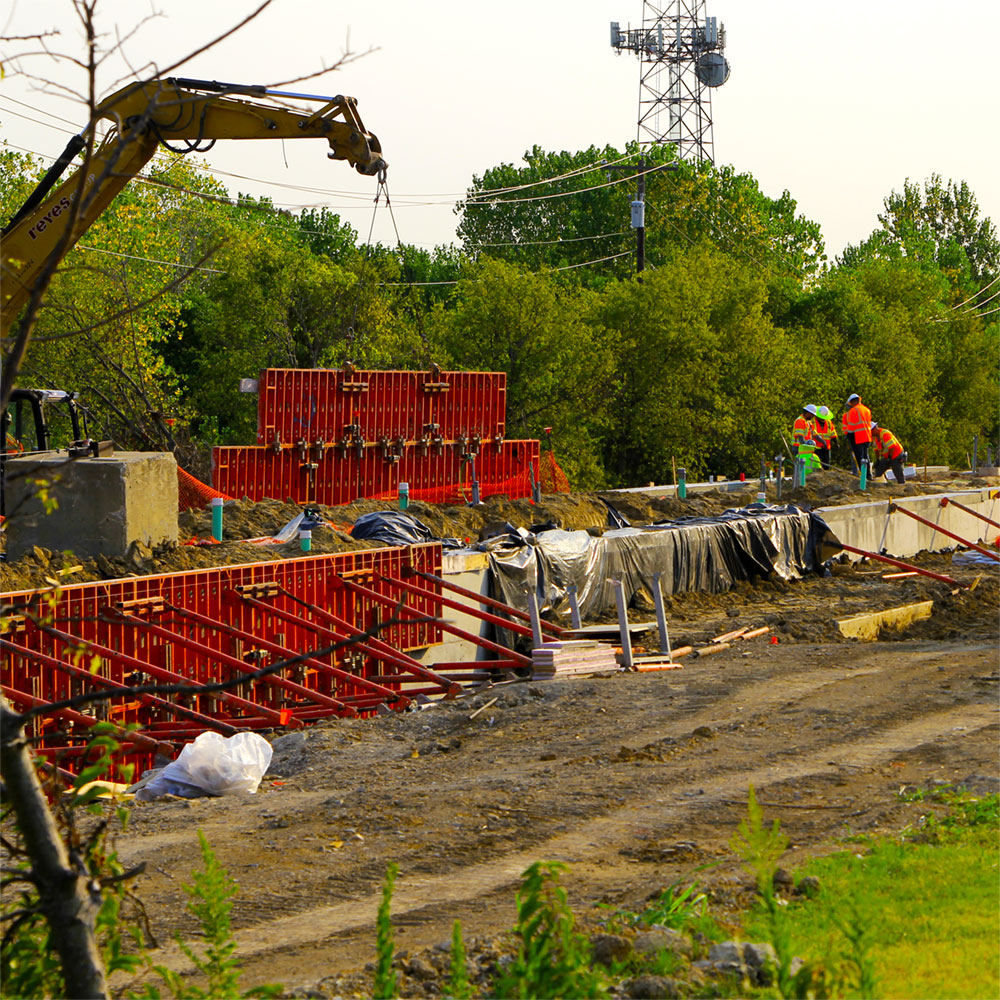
[739,320]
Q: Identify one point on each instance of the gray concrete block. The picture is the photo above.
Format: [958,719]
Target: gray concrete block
[102,505]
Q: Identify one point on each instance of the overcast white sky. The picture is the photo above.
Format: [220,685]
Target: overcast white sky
[837,103]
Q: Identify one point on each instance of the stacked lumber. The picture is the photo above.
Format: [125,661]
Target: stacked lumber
[571,657]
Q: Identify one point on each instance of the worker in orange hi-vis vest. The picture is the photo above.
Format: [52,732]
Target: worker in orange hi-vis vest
[857,424]
[889,453]
[803,429]
[826,434]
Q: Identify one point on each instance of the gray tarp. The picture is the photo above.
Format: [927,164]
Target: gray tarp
[695,553]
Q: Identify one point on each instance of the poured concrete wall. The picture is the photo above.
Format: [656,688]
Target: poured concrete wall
[865,525]
[102,505]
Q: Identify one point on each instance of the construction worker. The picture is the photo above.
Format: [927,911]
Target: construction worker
[803,429]
[826,434]
[857,424]
[889,453]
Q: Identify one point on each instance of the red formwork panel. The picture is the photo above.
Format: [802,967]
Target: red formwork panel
[203,627]
[331,477]
[319,404]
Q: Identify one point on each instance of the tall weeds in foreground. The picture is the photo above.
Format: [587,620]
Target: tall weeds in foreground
[385,986]
[552,960]
[760,847]
[211,891]
[458,979]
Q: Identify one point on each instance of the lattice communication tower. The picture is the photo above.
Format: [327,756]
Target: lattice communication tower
[681,61]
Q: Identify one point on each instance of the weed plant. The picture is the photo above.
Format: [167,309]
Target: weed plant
[552,959]
[385,986]
[458,979]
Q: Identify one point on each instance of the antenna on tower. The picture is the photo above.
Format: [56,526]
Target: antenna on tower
[681,60]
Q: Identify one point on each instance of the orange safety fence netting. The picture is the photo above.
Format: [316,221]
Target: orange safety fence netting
[193,493]
[550,476]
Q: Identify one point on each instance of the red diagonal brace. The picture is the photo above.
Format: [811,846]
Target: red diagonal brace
[167,676]
[138,739]
[236,664]
[968,510]
[487,601]
[457,606]
[446,626]
[86,675]
[370,645]
[893,507]
[902,565]
[273,647]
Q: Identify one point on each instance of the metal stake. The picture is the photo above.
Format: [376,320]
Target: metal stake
[626,639]
[574,605]
[536,626]
[661,615]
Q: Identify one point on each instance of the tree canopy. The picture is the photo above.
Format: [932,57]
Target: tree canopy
[180,289]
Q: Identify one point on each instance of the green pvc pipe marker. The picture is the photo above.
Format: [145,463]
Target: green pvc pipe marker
[404,496]
[305,539]
[217,503]
[682,486]
[864,474]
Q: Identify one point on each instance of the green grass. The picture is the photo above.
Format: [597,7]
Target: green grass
[930,910]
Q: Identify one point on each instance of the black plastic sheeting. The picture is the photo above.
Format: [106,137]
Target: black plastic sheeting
[392,527]
[708,554]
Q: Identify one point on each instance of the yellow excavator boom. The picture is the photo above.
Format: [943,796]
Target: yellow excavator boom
[192,113]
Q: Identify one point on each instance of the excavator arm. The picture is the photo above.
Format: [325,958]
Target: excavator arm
[191,113]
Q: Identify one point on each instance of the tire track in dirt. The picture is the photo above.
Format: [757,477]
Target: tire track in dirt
[309,927]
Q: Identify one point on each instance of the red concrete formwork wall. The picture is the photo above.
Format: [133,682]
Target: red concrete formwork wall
[260,473]
[144,630]
[318,404]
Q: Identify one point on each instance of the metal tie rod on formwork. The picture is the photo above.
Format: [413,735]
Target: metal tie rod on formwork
[168,676]
[376,648]
[485,616]
[508,654]
[489,602]
[273,680]
[148,699]
[945,501]
[950,534]
[273,647]
[902,565]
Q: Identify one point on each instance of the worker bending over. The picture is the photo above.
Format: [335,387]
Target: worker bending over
[825,434]
[857,423]
[888,453]
[803,429]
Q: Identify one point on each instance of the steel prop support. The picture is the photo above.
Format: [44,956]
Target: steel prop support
[273,680]
[369,645]
[272,647]
[950,534]
[148,699]
[485,616]
[167,676]
[506,653]
[487,601]
[80,719]
[901,565]
[945,501]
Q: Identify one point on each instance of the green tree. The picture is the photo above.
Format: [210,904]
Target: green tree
[542,334]
[938,224]
[699,366]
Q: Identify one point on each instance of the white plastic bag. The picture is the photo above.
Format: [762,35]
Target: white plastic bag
[212,765]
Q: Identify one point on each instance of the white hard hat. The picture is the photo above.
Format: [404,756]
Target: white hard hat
[873,425]
[810,408]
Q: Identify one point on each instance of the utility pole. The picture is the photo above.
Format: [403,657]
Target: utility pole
[639,204]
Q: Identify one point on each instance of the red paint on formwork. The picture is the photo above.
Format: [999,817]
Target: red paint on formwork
[308,404]
[49,635]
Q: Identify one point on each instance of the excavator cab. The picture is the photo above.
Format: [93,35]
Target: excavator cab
[39,420]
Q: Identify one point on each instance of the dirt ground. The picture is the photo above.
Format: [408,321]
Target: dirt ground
[244,519]
[633,780]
